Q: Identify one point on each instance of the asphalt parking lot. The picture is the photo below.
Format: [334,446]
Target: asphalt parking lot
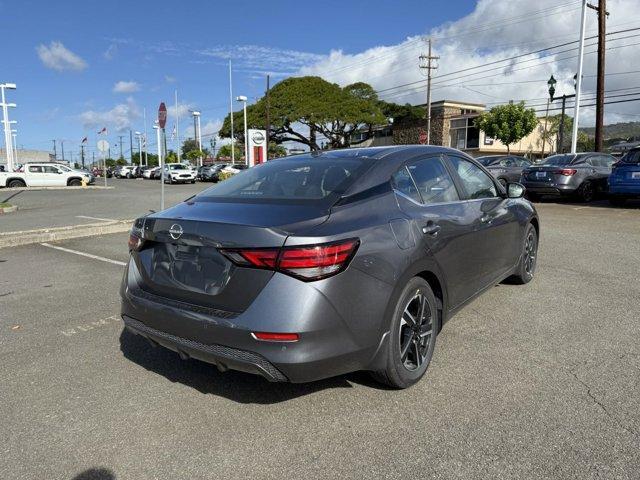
[126,199]
[536,381]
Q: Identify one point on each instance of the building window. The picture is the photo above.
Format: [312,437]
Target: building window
[463,134]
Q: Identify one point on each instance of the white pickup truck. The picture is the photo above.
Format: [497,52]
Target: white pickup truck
[45,175]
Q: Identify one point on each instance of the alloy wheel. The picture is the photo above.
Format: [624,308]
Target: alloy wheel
[530,252]
[416,330]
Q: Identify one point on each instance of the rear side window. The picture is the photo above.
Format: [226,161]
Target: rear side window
[297,179]
[434,183]
[403,183]
[35,169]
[476,183]
[631,157]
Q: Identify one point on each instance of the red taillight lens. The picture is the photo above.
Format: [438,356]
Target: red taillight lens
[307,262]
[135,242]
[275,337]
[566,172]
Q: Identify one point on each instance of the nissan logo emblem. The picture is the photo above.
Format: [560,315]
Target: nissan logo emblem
[175,231]
[257,137]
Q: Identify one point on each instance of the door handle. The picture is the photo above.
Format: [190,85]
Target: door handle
[431,228]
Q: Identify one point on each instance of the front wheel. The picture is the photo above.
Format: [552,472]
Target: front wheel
[527,266]
[412,338]
[75,183]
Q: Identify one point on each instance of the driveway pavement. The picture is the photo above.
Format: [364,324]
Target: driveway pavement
[536,381]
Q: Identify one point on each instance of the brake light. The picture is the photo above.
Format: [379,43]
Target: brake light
[566,172]
[306,262]
[275,337]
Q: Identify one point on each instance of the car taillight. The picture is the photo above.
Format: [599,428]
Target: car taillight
[306,262]
[566,172]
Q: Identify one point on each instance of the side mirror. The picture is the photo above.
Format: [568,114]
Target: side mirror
[515,190]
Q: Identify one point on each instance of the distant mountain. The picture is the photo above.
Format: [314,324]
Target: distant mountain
[628,131]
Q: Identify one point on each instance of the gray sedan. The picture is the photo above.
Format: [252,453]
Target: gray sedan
[320,264]
[506,168]
[581,175]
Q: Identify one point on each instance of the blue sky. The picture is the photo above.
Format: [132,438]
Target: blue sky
[164,45]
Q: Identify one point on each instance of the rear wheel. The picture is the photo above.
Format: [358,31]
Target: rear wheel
[16,184]
[587,192]
[412,337]
[528,259]
[74,182]
[617,201]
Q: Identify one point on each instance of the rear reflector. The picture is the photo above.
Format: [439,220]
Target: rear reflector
[306,262]
[566,172]
[275,337]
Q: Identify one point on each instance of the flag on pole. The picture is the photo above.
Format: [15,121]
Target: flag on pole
[174,132]
[84,140]
[104,130]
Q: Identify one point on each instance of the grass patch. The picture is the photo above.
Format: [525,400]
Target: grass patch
[4,204]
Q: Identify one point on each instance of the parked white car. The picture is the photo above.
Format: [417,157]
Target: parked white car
[149,173]
[234,168]
[45,174]
[179,173]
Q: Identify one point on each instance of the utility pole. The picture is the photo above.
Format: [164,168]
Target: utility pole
[576,112]
[93,158]
[130,147]
[602,33]
[82,154]
[426,64]
[55,153]
[120,137]
[62,148]
[178,146]
[268,119]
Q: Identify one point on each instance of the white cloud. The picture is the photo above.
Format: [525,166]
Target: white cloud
[493,31]
[126,87]
[110,52]
[119,118]
[184,110]
[170,79]
[57,57]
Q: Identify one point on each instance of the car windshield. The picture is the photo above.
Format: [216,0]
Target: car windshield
[558,160]
[177,167]
[300,178]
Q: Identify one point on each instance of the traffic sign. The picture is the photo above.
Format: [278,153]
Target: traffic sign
[162,115]
[103,146]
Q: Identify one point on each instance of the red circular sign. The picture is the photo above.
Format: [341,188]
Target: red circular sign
[162,115]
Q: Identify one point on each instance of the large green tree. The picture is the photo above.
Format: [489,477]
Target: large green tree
[508,123]
[301,108]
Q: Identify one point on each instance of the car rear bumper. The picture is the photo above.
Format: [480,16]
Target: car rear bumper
[624,190]
[549,189]
[327,346]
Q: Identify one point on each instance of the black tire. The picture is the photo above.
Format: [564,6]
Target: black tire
[74,182]
[528,259]
[587,192]
[193,181]
[617,201]
[16,184]
[417,340]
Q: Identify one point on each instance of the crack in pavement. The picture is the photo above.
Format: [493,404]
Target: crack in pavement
[627,429]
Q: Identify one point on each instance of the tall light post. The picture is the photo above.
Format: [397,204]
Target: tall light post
[14,134]
[7,124]
[160,163]
[551,83]
[576,112]
[139,136]
[233,154]
[243,99]
[197,133]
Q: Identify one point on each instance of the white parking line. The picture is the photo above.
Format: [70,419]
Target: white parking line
[88,255]
[97,218]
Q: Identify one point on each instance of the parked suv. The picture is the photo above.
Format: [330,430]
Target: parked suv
[179,173]
[46,174]
[624,181]
[581,175]
[506,168]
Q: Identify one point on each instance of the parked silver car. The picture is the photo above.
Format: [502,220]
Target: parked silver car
[581,175]
[506,168]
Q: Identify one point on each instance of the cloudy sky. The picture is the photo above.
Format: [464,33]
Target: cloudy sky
[79,69]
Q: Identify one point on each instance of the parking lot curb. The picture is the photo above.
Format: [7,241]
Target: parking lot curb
[10,209]
[26,237]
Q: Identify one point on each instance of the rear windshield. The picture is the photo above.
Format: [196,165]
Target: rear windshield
[631,157]
[299,178]
[486,161]
[559,160]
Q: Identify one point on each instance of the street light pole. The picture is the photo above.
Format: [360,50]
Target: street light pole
[233,156]
[161,163]
[574,135]
[243,99]
[15,146]
[139,135]
[7,125]
[198,134]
